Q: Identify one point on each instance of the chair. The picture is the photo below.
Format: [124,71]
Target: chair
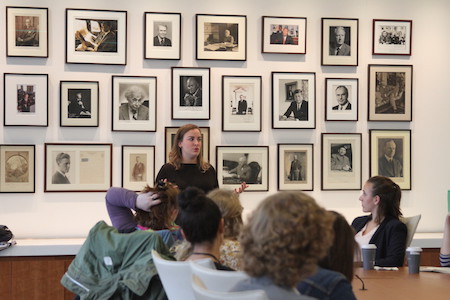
[254,176]
[411,224]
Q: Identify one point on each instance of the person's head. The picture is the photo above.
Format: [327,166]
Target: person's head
[63,162]
[187,143]
[27,23]
[79,96]
[285,237]
[192,85]
[138,158]
[243,160]
[340,35]
[342,150]
[389,148]
[295,157]
[231,209]
[242,97]
[105,26]
[384,33]
[285,31]
[342,94]
[135,96]
[162,31]
[298,96]
[227,33]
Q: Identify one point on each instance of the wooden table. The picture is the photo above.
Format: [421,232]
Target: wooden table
[387,285]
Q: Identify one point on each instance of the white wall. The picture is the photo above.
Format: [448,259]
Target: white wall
[72,214]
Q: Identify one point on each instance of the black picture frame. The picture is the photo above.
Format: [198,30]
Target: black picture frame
[295,167]
[341,99]
[391,37]
[79,103]
[138,166]
[339,42]
[18,171]
[294,41]
[168,46]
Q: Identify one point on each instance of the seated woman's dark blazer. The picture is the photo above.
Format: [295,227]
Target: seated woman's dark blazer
[390,239]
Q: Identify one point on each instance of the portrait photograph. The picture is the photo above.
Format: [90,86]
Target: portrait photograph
[96,36]
[295,167]
[390,93]
[392,37]
[162,35]
[390,155]
[170,133]
[241,103]
[293,100]
[221,37]
[339,42]
[138,166]
[284,35]
[17,168]
[134,103]
[79,103]
[341,99]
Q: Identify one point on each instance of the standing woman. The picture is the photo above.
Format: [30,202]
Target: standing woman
[381,197]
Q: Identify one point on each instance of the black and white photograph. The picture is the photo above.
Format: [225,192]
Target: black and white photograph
[339,42]
[391,37]
[138,166]
[295,167]
[170,133]
[79,103]
[162,35]
[341,99]
[17,168]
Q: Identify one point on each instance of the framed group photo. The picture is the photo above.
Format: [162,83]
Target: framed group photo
[295,167]
[390,93]
[79,103]
[17,168]
[284,35]
[221,37]
[162,35]
[392,37]
[390,155]
[339,42]
[241,103]
[138,166]
[27,31]
[170,133]
[341,99]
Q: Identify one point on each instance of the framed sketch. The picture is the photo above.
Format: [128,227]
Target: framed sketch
[27,31]
[25,99]
[238,164]
[392,37]
[162,35]
[390,92]
[390,155]
[339,42]
[295,167]
[241,103]
[221,37]
[138,166]
[191,93]
[284,35]
[95,36]
[79,103]
[341,161]
[293,100]
[134,103]
[341,99]
[78,167]
[17,168]
[170,133]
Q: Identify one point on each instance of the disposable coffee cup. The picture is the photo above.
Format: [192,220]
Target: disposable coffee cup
[368,256]
[413,255]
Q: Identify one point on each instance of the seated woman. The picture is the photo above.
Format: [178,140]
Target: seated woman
[282,242]
[445,250]
[381,198]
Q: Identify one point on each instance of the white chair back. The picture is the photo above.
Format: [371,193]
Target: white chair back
[411,224]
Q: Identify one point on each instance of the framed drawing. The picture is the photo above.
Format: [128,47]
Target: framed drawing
[162,35]
[191,93]
[170,133]
[293,100]
[134,103]
[390,93]
[79,103]
[238,164]
[95,36]
[339,42]
[341,99]
[284,35]
[392,37]
[341,161]
[221,37]
[138,166]
[390,155]
[27,31]
[78,167]
[25,99]
[17,172]
[241,103]
[295,167]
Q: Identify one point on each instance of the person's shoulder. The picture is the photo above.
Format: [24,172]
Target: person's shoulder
[167,166]
[360,219]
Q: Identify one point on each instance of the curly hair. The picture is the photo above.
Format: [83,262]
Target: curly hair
[285,237]
[390,195]
[231,209]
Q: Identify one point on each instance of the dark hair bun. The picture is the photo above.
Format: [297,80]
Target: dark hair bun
[191,199]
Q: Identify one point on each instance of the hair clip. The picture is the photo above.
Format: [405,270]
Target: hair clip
[162,185]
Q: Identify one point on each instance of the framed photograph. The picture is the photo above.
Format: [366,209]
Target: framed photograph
[241,103]
[339,42]
[390,93]
[79,103]
[27,31]
[170,133]
[78,167]
[95,36]
[390,155]
[25,99]
[162,35]
[284,35]
[221,37]
[341,99]
[134,103]
[341,161]
[392,37]
[293,100]
[238,164]
[295,167]
[138,166]
[191,93]
[17,168]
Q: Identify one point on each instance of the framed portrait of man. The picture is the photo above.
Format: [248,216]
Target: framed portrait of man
[79,103]
[284,35]
[162,35]
[17,168]
[341,99]
[295,167]
[339,42]
[138,166]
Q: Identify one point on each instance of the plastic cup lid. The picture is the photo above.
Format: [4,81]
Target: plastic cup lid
[369,246]
[414,249]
